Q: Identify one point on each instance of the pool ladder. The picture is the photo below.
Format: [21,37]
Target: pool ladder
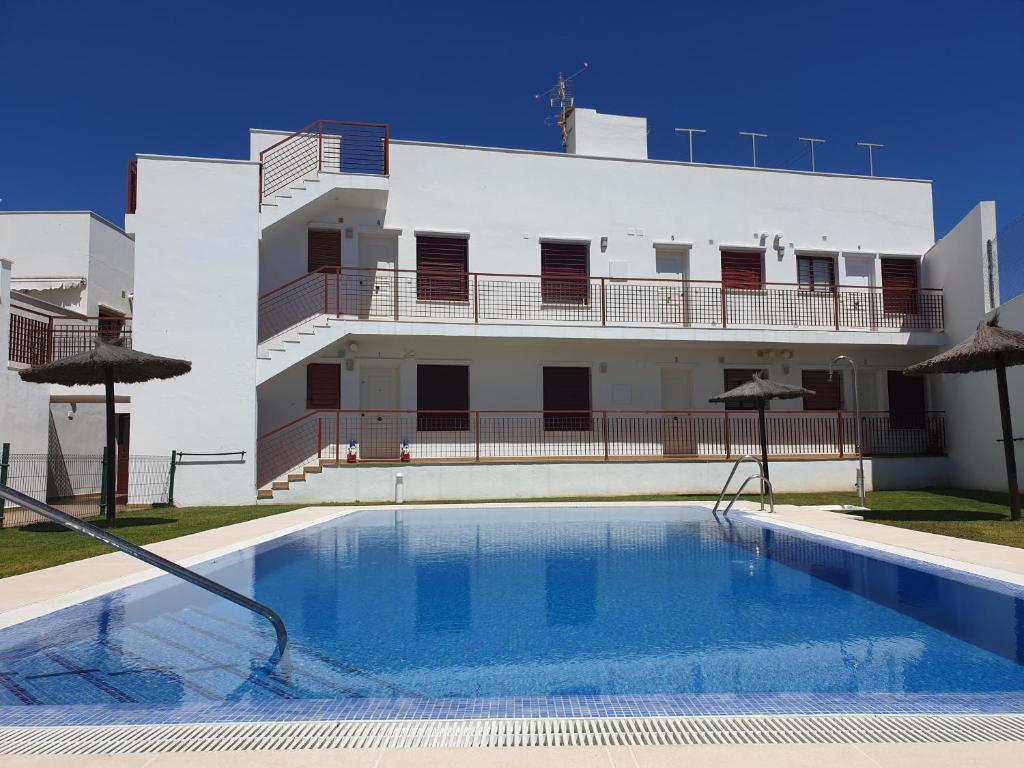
[758,476]
[116,542]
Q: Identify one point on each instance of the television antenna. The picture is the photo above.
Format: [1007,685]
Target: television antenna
[871,147]
[754,136]
[562,95]
[811,142]
[691,131]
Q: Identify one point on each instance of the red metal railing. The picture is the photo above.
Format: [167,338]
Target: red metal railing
[516,435]
[393,294]
[325,145]
[38,338]
[133,185]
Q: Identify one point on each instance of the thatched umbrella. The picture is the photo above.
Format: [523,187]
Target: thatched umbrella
[991,348]
[761,391]
[105,364]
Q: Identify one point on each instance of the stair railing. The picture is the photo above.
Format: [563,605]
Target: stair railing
[150,558]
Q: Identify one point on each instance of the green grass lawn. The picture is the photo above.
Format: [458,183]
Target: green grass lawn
[973,515]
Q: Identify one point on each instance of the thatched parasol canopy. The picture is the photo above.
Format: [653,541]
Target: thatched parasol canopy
[105,364]
[991,348]
[981,352]
[761,390]
[129,367]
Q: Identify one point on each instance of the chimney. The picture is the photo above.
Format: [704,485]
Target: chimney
[588,132]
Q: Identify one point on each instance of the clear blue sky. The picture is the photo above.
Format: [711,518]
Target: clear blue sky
[86,85]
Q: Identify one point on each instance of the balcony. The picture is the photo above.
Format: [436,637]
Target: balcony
[482,298]
[607,435]
[37,338]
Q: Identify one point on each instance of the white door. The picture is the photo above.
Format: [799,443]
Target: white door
[672,264]
[678,437]
[380,433]
[378,255]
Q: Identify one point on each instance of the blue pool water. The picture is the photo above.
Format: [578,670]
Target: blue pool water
[530,602]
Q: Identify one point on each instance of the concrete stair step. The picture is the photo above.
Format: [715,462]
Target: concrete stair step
[264,493]
[296,477]
[279,485]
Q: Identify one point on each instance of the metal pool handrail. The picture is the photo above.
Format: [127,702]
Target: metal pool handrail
[765,481]
[116,542]
[735,466]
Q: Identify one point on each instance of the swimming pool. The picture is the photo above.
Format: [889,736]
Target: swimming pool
[530,610]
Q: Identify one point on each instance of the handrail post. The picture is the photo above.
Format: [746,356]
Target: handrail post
[604,302]
[319,436]
[394,287]
[5,458]
[325,292]
[337,292]
[320,149]
[728,441]
[477,420]
[840,433]
[604,419]
[387,150]
[337,436]
[725,315]
[476,297]
[835,304]
[170,479]
[103,481]
[49,339]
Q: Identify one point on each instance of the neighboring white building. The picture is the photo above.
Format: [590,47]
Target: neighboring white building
[68,278]
[534,323]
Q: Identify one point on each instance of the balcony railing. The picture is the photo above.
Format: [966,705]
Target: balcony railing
[38,338]
[515,435]
[326,145]
[408,295]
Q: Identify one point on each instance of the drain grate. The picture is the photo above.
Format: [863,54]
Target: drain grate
[397,734]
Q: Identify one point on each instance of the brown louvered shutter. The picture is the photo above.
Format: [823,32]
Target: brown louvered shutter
[445,390]
[742,269]
[567,388]
[323,385]
[441,266]
[828,395]
[733,378]
[899,286]
[323,249]
[815,273]
[564,273]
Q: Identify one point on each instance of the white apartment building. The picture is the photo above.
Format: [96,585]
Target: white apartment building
[66,277]
[525,323]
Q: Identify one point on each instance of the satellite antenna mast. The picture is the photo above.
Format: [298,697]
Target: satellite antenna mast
[563,96]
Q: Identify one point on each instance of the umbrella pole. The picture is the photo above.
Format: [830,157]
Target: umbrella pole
[764,440]
[1008,449]
[109,469]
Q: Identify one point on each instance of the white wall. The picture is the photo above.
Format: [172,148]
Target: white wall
[519,481]
[591,133]
[70,244]
[196,288]
[959,260]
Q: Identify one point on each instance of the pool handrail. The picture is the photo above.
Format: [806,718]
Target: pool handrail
[735,466]
[150,558]
[764,481]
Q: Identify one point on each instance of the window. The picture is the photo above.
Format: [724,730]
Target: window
[828,395]
[899,286]
[906,401]
[323,385]
[442,264]
[564,273]
[736,376]
[742,269]
[567,399]
[109,325]
[816,273]
[323,249]
[445,390]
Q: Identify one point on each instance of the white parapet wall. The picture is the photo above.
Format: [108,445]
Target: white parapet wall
[433,482]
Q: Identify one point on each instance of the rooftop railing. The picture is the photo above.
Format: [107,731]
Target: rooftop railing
[37,338]
[518,435]
[477,297]
[325,145]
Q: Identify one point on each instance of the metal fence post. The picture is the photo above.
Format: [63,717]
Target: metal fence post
[103,481]
[170,483]
[5,456]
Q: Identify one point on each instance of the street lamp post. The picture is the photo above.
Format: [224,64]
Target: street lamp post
[856,416]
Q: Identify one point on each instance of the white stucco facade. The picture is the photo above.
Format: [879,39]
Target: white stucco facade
[227,275]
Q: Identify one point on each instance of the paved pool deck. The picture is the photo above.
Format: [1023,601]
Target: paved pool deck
[34,594]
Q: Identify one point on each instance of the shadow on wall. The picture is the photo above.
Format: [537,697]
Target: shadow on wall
[905,474]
